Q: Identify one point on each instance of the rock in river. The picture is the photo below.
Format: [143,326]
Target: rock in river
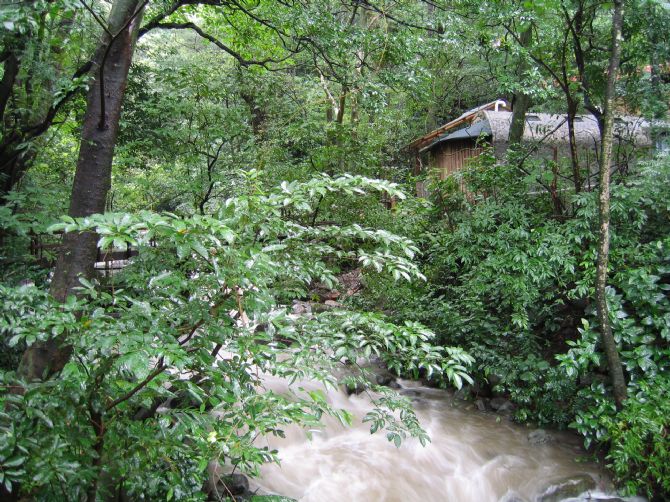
[567,488]
[540,436]
[501,405]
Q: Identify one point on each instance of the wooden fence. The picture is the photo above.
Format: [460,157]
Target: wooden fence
[45,248]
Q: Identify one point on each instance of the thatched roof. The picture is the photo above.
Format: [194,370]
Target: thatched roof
[551,129]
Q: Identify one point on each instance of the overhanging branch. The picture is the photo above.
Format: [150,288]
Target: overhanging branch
[241,59]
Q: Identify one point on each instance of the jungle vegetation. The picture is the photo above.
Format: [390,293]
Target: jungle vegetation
[250,149]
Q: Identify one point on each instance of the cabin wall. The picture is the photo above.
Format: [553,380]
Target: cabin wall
[452,156]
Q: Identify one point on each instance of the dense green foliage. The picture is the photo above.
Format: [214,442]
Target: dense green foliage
[191,326]
[262,154]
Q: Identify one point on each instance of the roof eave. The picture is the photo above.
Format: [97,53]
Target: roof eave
[420,144]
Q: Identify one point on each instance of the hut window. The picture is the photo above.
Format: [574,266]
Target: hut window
[532,118]
[662,144]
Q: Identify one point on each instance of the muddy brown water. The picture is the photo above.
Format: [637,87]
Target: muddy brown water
[472,457]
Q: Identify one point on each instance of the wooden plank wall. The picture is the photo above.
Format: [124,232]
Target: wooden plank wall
[452,156]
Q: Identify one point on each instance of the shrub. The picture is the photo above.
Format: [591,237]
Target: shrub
[639,436]
[167,363]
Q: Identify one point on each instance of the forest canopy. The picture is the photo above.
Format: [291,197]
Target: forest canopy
[187,188]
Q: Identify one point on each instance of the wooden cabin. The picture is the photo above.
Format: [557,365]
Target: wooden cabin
[449,148]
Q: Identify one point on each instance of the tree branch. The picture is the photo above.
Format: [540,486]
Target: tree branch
[241,59]
[157,371]
[97,18]
[103,122]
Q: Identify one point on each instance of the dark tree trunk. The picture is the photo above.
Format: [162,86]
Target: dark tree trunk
[258,115]
[10,70]
[10,156]
[20,129]
[522,100]
[609,344]
[93,174]
[14,162]
[574,155]
[341,106]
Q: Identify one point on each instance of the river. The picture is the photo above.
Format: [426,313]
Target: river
[473,456]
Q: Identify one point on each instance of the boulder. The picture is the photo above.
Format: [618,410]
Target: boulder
[372,371]
[501,405]
[567,487]
[380,374]
[354,388]
[481,404]
[540,436]
[384,379]
[323,293]
[301,308]
[464,393]
[271,498]
[222,486]
[512,497]
[352,282]
[325,307]
[494,379]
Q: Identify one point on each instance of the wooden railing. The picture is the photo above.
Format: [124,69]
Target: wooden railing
[45,248]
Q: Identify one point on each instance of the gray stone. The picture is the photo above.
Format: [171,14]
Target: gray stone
[512,497]
[300,307]
[323,293]
[501,405]
[271,498]
[540,436]
[384,379]
[464,393]
[494,379]
[320,307]
[354,388]
[567,487]
[367,372]
[221,486]
[480,404]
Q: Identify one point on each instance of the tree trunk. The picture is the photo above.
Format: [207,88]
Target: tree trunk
[10,70]
[20,129]
[522,100]
[609,344]
[258,115]
[574,156]
[93,174]
[10,155]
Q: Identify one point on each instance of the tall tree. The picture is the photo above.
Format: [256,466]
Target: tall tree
[609,344]
[93,174]
[522,99]
[111,64]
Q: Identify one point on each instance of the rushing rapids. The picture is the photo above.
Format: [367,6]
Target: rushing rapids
[472,457]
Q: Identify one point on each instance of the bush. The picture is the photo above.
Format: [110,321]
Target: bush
[639,436]
[166,366]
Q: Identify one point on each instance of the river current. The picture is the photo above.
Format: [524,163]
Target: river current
[472,457]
